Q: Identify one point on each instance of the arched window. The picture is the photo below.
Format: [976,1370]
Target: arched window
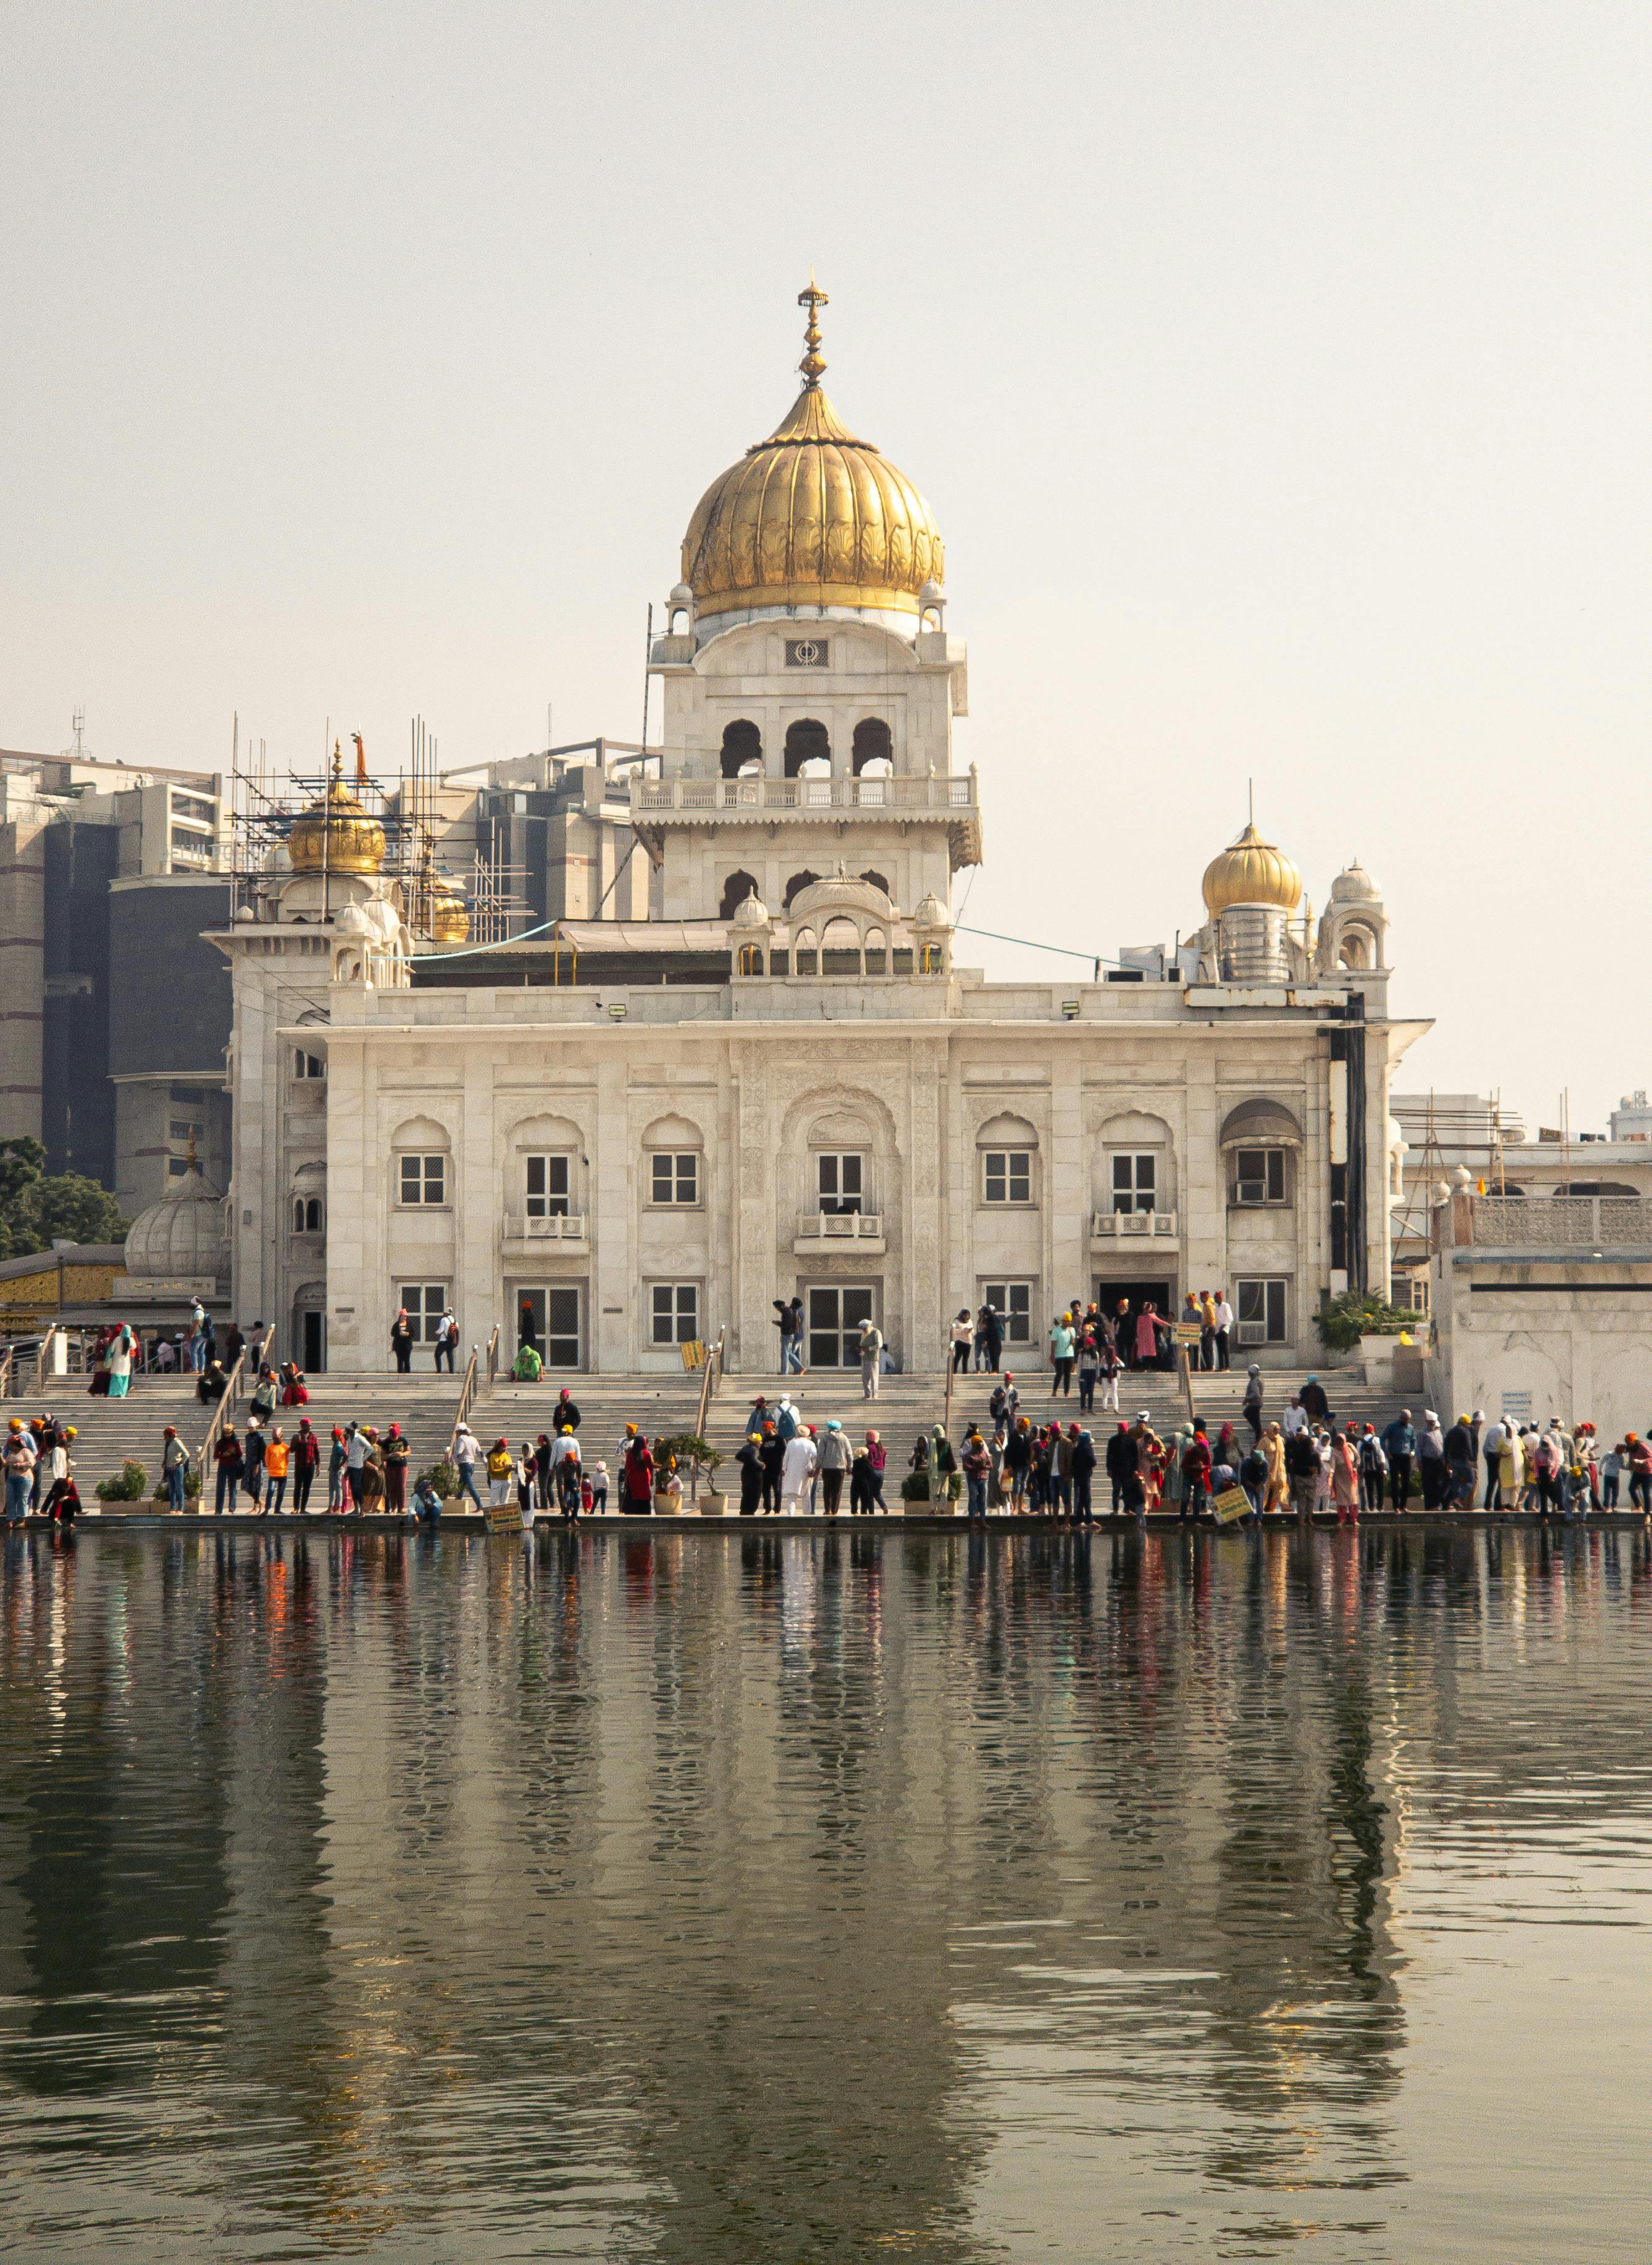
[805,957]
[808,749]
[751,959]
[877,882]
[735,890]
[841,949]
[1007,1161]
[871,748]
[877,950]
[742,750]
[796,886]
[1355,948]
[308,1216]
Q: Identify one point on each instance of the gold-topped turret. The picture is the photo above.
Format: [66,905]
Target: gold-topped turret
[811,516]
[335,835]
[1251,871]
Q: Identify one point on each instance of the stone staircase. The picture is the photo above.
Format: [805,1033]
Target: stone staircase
[110,1432]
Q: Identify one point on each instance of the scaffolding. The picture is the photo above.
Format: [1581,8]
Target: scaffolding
[265,804]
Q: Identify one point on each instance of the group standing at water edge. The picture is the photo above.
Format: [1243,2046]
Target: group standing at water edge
[1303,1464]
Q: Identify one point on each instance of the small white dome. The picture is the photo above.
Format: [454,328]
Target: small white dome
[930,913]
[1354,886]
[682,595]
[930,593]
[751,912]
[182,1234]
[352,921]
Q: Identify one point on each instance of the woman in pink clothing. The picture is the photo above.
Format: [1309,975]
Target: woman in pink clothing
[1344,1479]
[1147,1328]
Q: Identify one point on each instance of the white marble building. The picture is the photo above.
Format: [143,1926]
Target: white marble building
[785,1081]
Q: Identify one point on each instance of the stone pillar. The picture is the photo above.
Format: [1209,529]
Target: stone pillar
[1204,1186]
[1066,1181]
[478,1281]
[922,1329]
[349,1227]
[753,1159]
[612,1276]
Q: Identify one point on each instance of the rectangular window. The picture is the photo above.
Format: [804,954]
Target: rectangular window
[195,806]
[674,1178]
[424,1179]
[309,1065]
[1136,1181]
[676,1312]
[1014,1300]
[196,847]
[1259,1175]
[1006,1175]
[841,1182]
[550,1186]
[426,1302]
[1262,1311]
[548,1320]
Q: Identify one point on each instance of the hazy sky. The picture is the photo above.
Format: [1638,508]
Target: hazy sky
[1278,375]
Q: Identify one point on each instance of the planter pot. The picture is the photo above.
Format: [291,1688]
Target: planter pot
[714,1505]
[668,1506]
[1378,1355]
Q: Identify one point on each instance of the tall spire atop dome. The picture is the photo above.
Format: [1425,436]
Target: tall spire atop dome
[813,516]
[812,366]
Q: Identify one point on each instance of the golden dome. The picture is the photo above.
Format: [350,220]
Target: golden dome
[1251,871]
[335,835]
[811,516]
[449,921]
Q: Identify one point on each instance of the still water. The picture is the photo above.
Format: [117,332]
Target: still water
[826,1896]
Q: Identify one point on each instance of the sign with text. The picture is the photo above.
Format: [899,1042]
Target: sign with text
[1231,1504]
[1187,1333]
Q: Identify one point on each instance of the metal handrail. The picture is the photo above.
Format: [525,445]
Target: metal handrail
[8,1371]
[219,1414]
[709,1370]
[467,1394]
[42,1351]
[493,1356]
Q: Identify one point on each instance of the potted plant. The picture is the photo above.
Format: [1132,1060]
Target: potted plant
[700,1455]
[1358,1318]
[130,1484]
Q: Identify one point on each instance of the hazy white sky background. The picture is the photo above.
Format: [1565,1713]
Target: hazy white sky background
[1279,376]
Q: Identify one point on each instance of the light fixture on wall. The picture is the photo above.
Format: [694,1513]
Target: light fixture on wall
[617,1010]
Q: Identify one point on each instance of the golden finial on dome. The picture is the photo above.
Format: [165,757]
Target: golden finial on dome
[1251,871]
[812,366]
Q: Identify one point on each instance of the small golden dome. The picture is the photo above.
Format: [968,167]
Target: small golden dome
[449,921]
[811,516]
[1251,871]
[335,835]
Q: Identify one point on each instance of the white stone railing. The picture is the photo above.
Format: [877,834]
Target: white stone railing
[1587,1222]
[558,1226]
[841,1225]
[1108,1225]
[655,797]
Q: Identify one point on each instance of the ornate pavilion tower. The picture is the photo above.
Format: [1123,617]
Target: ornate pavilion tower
[810,688]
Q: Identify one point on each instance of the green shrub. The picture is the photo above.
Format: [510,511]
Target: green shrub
[130,1484]
[191,1485]
[915,1486]
[691,1450]
[1342,1321]
[443,1476]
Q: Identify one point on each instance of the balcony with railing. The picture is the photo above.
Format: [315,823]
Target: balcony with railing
[545,1227]
[1132,1226]
[1582,1223]
[861,1232]
[697,800]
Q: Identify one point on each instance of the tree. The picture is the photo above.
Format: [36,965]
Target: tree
[37,1208]
[68,1204]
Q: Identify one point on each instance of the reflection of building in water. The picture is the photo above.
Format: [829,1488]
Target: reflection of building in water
[711,1887]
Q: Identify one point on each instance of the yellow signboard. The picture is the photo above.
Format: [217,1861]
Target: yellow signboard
[1231,1504]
